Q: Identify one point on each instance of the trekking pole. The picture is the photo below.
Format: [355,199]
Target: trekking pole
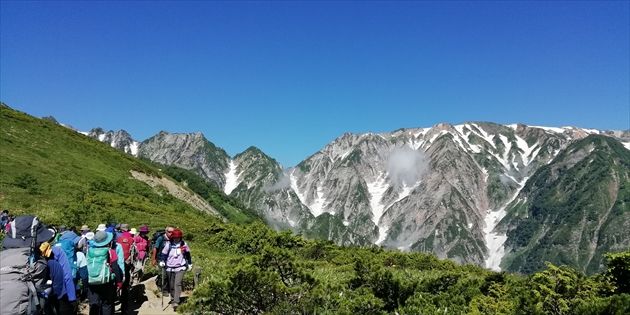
[163,276]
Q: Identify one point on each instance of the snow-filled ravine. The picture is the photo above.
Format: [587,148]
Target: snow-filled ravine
[495,240]
[231,179]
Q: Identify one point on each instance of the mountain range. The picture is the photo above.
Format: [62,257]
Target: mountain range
[501,196]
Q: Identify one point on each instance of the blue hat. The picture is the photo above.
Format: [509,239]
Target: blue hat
[102,238]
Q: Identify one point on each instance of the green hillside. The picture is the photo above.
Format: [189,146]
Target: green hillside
[67,178]
[573,210]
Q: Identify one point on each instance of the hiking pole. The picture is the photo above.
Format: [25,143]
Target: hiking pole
[163,276]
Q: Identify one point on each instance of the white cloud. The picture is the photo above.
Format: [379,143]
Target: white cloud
[406,166]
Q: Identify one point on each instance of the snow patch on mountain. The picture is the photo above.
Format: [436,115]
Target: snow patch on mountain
[495,240]
[626,144]
[483,134]
[317,206]
[377,189]
[526,155]
[231,178]
[549,129]
[133,148]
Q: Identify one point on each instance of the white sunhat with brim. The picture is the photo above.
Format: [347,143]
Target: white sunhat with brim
[101,227]
[89,235]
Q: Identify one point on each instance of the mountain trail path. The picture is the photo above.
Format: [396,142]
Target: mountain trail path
[145,300]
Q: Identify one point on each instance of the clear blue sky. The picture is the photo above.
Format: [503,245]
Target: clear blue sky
[289,77]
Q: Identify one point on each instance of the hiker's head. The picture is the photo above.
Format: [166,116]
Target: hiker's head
[102,238]
[144,229]
[5,211]
[84,229]
[101,227]
[124,227]
[176,235]
[45,250]
[169,231]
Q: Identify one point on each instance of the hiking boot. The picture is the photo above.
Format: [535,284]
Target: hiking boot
[175,305]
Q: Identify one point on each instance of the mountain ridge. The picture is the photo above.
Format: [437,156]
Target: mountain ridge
[441,189]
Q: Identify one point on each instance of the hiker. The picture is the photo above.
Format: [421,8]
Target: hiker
[68,241]
[175,257]
[83,241]
[101,227]
[142,244]
[23,271]
[59,300]
[7,226]
[82,273]
[125,240]
[104,274]
[4,219]
[68,279]
[158,241]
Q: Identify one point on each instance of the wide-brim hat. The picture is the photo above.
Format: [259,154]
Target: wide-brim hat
[101,227]
[102,238]
[133,231]
[84,228]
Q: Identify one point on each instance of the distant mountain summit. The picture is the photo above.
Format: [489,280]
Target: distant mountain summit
[467,192]
[120,139]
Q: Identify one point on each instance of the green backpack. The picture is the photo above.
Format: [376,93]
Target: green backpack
[99,271]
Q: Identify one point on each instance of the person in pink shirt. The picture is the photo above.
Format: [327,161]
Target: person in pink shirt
[142,245]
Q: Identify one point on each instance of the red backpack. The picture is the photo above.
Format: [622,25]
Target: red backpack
[126,241]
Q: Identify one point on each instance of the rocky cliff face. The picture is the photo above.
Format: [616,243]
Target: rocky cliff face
[191,151]
[260,183]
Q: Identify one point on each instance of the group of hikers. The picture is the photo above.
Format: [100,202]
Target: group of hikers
[57,268]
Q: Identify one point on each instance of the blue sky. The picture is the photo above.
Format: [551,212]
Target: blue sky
[289,77]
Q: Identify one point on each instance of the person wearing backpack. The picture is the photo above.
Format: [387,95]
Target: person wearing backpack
[4,219]
[59,299]
[103,274]
[176,259]
[157,243]
[82,273]
[126,241]
[142,245]
[160,238]
[68,241]
[23,271]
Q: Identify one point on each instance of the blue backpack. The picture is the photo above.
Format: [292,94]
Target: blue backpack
[67,245]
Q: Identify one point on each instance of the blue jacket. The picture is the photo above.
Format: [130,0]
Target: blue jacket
[68,281]
[55,271]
